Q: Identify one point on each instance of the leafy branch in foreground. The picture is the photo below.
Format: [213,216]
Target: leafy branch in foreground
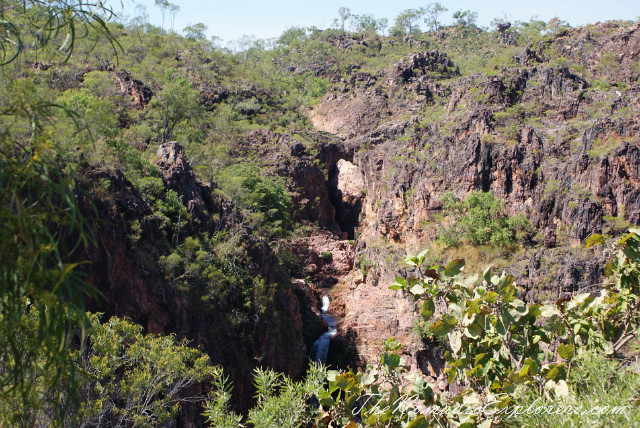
[31,25]
[41,294]
[503,351]
[496,342]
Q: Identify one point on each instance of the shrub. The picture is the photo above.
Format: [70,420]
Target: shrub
[480,219]
[327,256]
[265,196]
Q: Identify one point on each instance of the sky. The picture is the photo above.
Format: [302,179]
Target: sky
[231,19]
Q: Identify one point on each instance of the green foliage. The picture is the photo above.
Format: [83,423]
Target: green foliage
[42,226]
[265,197]
[480,219]
[281,403]
[368,25]
[120,378]
[327,256]
[135,379]
[497,344]
[176,102]
[406,22]
[52,26]
[465,18]
[597,384]
[433,11]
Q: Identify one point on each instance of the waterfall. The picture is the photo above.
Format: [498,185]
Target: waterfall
[321,346]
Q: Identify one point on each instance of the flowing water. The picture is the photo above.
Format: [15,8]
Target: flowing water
[321,346]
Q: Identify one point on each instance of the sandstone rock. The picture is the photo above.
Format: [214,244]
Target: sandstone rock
[566,184]
[140,92]
[347,190]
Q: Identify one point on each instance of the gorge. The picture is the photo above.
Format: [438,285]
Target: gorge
[259,207]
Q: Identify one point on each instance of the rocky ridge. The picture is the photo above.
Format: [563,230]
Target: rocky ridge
[132,283]
[536,135]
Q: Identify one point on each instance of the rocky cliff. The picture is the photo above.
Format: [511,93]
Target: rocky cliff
[242,328]
[551,127]
[557,142]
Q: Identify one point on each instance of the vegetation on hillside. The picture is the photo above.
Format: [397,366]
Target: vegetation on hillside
[516,363]
[67,108]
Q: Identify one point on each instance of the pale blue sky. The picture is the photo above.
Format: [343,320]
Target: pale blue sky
[230,19]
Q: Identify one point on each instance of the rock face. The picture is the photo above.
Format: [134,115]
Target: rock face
[293,159]
[536,135]
[346,187]
[133,284]
[140,92]
[559,144]
[178,175]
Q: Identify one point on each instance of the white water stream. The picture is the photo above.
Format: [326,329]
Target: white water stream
[321,346]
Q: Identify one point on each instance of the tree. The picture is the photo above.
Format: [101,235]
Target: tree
[135,379]
[176,102]
[41,293]
[165,7]
[344,13]
[123,378]
[465,18]
[367,24]
[174,9]
[195,32]
[433,11]
[406,22]
[292,35]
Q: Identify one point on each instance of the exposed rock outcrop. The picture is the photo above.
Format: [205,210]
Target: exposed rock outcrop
[569,172]
[140,92]
[133,284]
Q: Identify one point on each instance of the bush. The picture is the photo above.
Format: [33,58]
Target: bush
[264,196]
[506,354]
[480,220]
[327,256]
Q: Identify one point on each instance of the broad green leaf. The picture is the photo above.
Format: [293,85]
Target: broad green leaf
[444,325]
[331,375]
[428,309]
[399,283]
[417,290]
[479,357]
[533,366]
[487,274]
[454,267]
[346,382]
[548,311]
[501,328]
[456,310]
[624,240]
[420,256]
[473,331]
[451,376]
[455,340]
[491,297]
[467,282]
[391,361]
[419,422]
[328,402]
[556,372]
